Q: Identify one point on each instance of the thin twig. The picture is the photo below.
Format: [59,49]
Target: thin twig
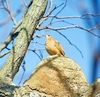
[23,66]
[50,8]
[38,43]
[67,17]
[9,11]
[91,14]
[27,7]
[38,36]
[60,9]
[70,17]
[39,56]
[14,14]
[36,49]
[24,2]
[49,12]
[62,21]
[10,37]
[70,42]
[3,54]
[95,27]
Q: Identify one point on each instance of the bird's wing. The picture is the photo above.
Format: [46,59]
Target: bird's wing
[59,47]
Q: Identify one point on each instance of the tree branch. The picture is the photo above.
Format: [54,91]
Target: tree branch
[9,17]
[68,27]
[9,11]
[70,42]
[3,54]
[10,37]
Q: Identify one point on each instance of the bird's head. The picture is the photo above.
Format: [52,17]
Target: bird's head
[48,36]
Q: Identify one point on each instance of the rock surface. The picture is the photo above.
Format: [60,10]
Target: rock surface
[59,77]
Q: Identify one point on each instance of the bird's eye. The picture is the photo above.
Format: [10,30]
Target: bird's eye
[48,35]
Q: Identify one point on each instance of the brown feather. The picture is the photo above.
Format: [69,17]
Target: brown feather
[53,47]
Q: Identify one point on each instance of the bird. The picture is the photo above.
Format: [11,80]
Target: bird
[53,47]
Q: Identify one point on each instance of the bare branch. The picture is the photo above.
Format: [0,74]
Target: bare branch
[70,42]
[39,56]
[68,27]
[14,14]
[91,14]
[23,66]
[27,7]
[10,37]
[51,9]
[46,17]
[70,17]
[38,36]
[60,9]
[24,2]
[63,21]
[38,43]
[36,49]
[3,54]
[95,27]
[9,11]
[67,17]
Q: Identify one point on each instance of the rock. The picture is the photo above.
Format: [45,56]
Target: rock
[59,77]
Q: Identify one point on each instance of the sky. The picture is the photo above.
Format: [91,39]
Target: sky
[76,36]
